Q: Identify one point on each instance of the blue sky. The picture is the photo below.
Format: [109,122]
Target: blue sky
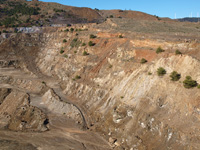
[161,8]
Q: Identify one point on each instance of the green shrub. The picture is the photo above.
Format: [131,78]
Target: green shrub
[111,16]
[64,41]
[71,29]
[159,50]
[92,36]
[161,71]
[90,43]
[85,53]
[83,44]
[75,52]
[175,76]
[188,77]
[120,36]
[177,52]
[65,56]
[58,10]
[149,73]
[67,30]
[77,77]
[47,20]
[62,51]
[4,31]
[189,83]
[75,43]
[20,8]
[143,61]
[198,86]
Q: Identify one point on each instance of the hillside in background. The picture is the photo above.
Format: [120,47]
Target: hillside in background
[17,13]
[35,13]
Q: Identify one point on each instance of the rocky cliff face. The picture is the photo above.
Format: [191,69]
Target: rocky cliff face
[109,89]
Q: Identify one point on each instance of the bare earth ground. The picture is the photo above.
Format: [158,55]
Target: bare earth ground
[64,132]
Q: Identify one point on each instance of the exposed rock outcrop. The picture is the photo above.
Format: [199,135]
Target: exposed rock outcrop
[17,114]
[56,105]
[3,94]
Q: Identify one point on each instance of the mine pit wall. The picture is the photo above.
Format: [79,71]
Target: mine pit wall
[134,109]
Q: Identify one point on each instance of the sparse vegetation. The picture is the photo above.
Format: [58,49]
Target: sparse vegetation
[85,53]
[4,31]
[161,71]
[175,76]
[62,51]
[71,29]
[75,52]
[90,43]
[120,36]
[13,10]
[67,30]
[111,16]
[198,86]
[92,36]
[149,73]
[58,10]
[158,18]
[189,83]
[65,56]
[77,77]
[110,66]
[122,97]
[64,41]
[143,61]
[159,50]
[20,8]
[83,44]
[177,52]
[75,43]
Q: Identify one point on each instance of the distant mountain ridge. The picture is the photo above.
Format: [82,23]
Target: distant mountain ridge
[189,19]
